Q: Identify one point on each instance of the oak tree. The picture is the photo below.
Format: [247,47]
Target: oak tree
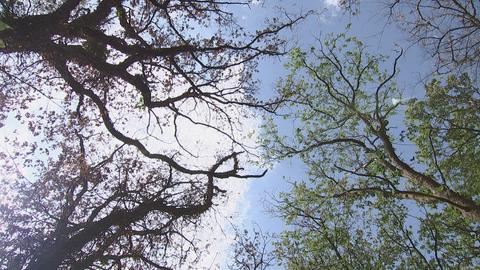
[99,99]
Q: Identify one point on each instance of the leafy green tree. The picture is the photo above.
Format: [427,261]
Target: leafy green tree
[370,203]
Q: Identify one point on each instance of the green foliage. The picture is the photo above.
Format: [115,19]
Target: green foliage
[341,233]
[446,127]
[364,207]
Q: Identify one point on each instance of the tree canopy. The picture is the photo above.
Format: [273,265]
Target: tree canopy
[100,97]
[369,203]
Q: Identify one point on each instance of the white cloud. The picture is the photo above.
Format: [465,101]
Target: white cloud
[333,4]
[217,232]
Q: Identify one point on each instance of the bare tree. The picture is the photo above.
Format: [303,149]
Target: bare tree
[449,29]
[252,250]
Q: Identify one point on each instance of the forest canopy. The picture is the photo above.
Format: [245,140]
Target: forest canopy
[126,125]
